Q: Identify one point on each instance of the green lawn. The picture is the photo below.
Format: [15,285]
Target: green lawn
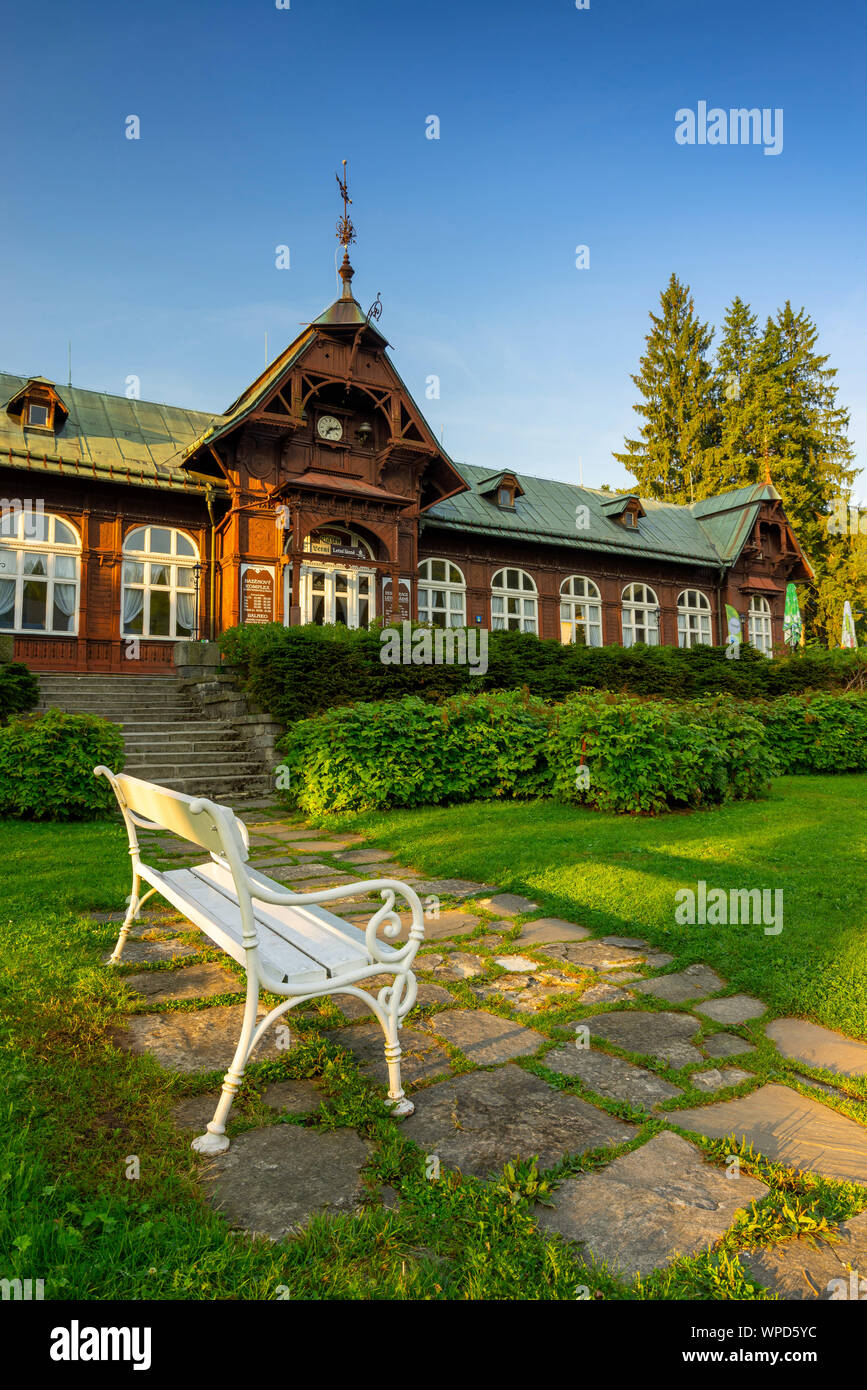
[620,874]
[75,1107]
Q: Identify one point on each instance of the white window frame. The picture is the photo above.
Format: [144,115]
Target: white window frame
[453,613]
[760,625]
[639,608]
[15,545]
[694,621]
[172,561]
[581,608]
[514,607]
[333,579]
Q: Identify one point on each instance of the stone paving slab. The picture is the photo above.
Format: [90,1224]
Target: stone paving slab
[649,1206]
[353,1008]
[365,856]
[517,964]
[613,1077]
[458,965]
[818,1047]
[510,904]
[300,846]
[271,1181]
[789,1128]
[481,1120]
[726,1045]
[191,982]
[298,1097]
[421,1061]
[450,887]
[550,929]
[695,982]
[736,1009]
[203,1040]
[657,960]
[604,992]
[824,1272]
[451,922]
[664,1036]
[717,1080]
[311,883]
[484,1038]
[142,952]
[592,955]
[629,943]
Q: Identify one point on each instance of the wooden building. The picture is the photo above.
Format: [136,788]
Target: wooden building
[322,495]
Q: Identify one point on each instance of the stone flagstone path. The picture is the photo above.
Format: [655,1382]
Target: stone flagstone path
[488,970]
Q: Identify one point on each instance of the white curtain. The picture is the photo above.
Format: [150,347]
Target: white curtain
[133,603]
[186,611]
[7,601]
[64,599]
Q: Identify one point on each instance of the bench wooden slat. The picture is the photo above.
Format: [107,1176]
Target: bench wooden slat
[315,932]
[212,911]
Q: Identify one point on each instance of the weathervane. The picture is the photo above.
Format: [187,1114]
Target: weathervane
[345,234]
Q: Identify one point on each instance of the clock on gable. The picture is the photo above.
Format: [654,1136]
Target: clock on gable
[330,428]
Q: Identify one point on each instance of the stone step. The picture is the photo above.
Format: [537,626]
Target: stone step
[176,764]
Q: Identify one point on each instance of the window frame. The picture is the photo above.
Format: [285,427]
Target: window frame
[525,597]
[759,613]
[630,607]
[20,545]
[687,613]
[448,587]
[171,560]
[587,601]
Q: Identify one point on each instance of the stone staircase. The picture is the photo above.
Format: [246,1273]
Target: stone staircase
[168,739]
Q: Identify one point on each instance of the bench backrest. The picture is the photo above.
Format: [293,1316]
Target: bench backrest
[216,828]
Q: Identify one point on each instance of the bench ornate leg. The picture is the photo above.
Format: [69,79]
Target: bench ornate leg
[397,1102]
[131,915]
[214,1140]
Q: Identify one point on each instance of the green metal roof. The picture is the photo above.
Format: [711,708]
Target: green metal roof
[109,437]
[547,514]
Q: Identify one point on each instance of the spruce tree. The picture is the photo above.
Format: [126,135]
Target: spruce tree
[677,402]
[739,369]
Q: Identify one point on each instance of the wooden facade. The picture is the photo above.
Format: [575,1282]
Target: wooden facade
[317,495]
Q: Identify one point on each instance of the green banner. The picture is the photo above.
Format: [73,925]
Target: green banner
[792,623]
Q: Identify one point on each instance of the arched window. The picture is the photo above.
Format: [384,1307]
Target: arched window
[580,612]
[693,618]
[760,632]
[640,615]
[513,602]
[39,572]
[159,583]
[442,594]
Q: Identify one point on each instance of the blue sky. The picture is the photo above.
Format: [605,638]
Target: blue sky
[157,256]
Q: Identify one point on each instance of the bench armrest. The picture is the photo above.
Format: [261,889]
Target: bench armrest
[385,916]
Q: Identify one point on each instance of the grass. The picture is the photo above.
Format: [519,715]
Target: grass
[76,1108]
[618,874]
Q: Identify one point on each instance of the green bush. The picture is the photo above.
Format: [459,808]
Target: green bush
[818,732]
[19,689]
[412,753]
[617,753]
[297,672]
[47,762]
[641,755]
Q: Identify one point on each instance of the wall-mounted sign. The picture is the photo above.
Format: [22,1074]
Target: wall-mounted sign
[404,599]
[257,594]
[349,552]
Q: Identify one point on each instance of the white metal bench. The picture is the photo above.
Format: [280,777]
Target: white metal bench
[287,945]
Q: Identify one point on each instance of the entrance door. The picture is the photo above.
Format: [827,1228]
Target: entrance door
[332,595]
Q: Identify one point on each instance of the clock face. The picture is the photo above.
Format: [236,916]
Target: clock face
[329,428]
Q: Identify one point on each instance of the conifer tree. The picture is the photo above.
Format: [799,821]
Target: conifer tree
[677,403]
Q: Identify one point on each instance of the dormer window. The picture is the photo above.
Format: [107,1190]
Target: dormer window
[625,509]
[505,497]
[501,489]
[38,406]
[630,519]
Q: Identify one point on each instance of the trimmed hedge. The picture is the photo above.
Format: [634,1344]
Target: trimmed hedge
[47,762]
[640,755]
[19,689]
[818,733]
[296,672]
[412,753]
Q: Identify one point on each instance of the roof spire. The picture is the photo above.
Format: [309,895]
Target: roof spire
[345,234]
